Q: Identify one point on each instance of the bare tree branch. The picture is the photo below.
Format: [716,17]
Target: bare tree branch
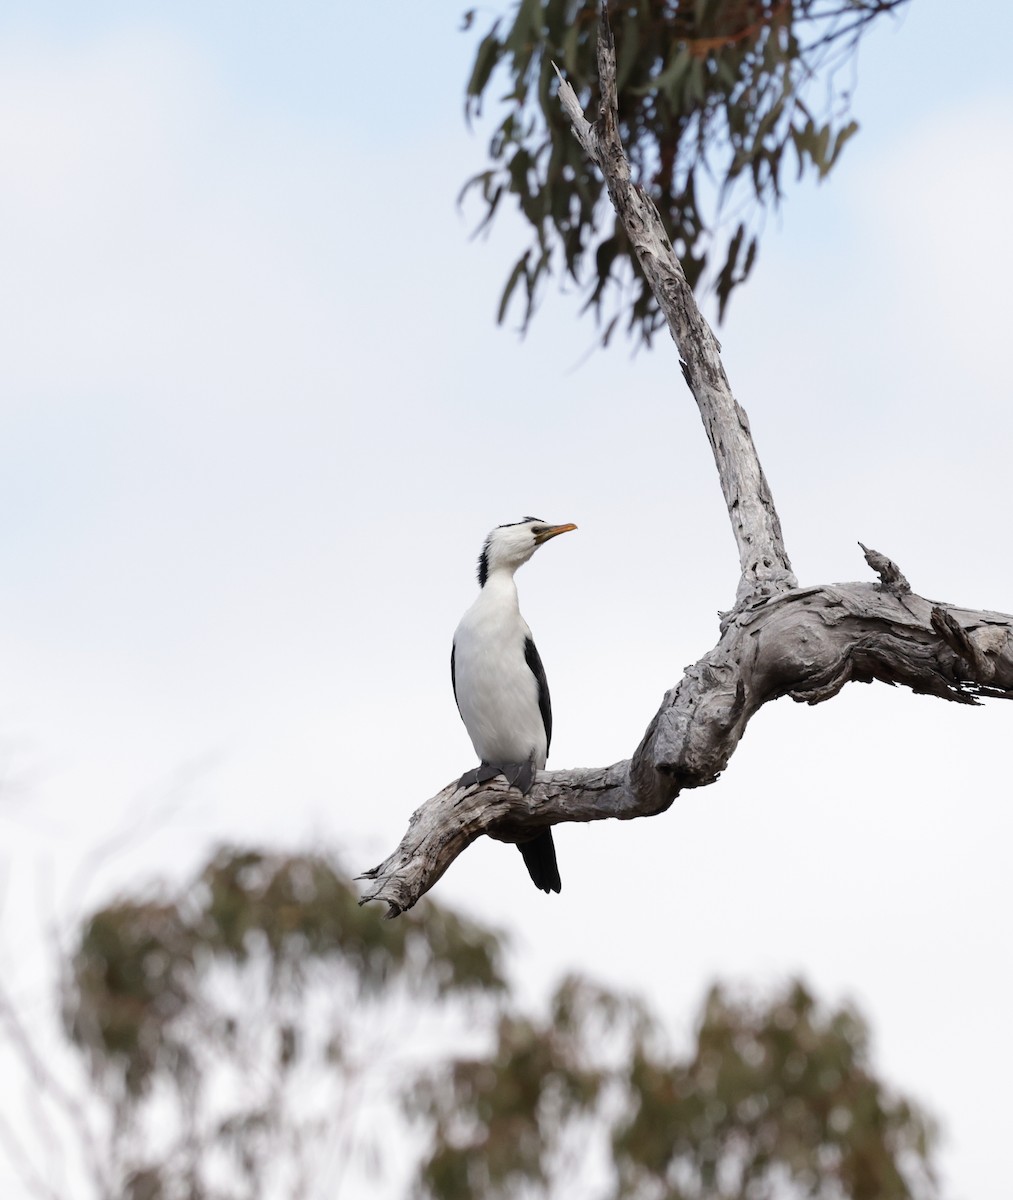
[762,555]
[778,640]
[806,644]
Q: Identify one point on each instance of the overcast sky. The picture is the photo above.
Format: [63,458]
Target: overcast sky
[257,419]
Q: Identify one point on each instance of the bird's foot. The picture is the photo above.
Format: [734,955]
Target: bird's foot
[480,774]
[519,775]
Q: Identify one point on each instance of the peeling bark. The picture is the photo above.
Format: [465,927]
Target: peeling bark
[806,643]
[778,640]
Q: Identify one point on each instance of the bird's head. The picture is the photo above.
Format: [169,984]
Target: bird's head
[508,546]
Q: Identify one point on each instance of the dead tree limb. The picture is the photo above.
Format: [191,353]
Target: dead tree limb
[762,556]
[806,643]
[778,640]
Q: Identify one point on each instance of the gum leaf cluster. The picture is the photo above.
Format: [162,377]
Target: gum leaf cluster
[719,101]
[773,1098]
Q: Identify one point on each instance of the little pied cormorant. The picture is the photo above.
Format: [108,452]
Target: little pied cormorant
[499,682]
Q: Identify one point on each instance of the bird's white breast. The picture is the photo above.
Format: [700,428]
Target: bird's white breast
[496,691]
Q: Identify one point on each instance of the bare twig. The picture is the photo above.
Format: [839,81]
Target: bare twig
[20,1160]
[889,573]
[46,1083]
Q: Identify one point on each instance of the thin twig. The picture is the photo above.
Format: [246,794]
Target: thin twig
[46,1081]
[21,1162]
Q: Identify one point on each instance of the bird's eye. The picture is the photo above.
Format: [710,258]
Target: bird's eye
[537,529]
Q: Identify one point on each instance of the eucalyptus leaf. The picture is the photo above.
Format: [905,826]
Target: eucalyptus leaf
[719,86]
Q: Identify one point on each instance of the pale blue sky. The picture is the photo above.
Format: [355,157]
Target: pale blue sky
[256,418]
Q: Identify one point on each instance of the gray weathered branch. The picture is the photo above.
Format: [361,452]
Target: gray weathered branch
[806,643]
[762,556]
[778,640]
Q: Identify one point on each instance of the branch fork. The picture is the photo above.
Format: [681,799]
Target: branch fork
[777,640]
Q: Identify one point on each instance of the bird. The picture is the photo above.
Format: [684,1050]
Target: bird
[499,681]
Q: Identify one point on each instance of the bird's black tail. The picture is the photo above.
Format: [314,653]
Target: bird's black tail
[540,860]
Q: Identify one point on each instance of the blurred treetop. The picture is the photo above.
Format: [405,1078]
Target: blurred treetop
[257,1034]
[718,99]
[773,1098]
[237,1030]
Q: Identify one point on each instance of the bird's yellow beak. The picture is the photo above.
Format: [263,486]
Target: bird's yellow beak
[550,531]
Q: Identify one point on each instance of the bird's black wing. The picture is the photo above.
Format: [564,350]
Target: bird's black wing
[453,677]
[540,853]
[544,704]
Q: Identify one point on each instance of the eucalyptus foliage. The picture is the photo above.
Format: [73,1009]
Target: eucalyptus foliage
[259,1034]
[249,1032]
[774,1097]
[718,101]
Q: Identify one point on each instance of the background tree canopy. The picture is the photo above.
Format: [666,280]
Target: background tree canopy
[258,1034]
[717,98]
